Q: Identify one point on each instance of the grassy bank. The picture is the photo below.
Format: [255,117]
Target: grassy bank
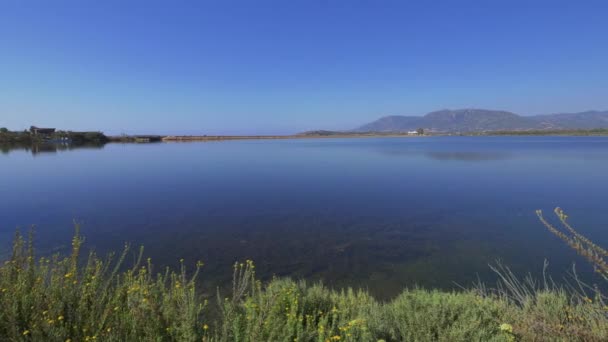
[72,298]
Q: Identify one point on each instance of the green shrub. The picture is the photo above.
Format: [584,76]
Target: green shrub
[421,315]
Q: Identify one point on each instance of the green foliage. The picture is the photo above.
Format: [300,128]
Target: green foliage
[61,299]
[71,299]
[87,137]
[285,310]
[557,316]
[7,136]
[421,315]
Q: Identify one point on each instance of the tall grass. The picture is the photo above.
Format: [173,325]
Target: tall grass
[62,298]
[71,298]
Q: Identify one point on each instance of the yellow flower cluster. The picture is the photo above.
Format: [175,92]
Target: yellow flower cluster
[356,322]
[506,327]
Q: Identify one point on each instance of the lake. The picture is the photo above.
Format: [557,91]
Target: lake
[376,213]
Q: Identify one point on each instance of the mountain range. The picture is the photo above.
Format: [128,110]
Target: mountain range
[480,120]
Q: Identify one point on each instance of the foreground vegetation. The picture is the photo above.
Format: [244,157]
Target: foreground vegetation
[70,299]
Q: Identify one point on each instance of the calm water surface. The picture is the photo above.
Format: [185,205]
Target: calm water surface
[375,213]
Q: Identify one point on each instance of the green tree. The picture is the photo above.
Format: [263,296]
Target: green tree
[3,130]
[420,131]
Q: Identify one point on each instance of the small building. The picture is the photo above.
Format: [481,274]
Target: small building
[412,133]
[41,131]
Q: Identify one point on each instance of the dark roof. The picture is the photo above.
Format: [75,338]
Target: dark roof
[41,130]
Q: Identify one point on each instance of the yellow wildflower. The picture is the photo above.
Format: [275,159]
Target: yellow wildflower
[205,327]
[26,332]
[505,327]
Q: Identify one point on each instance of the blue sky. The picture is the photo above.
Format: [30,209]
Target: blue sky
[266,67]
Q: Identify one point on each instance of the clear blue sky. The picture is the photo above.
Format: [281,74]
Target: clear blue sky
[237,67]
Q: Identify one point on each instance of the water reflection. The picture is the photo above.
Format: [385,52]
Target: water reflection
[47,148]
[443,155]
[468,156]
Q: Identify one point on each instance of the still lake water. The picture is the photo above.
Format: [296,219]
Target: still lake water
[378,213]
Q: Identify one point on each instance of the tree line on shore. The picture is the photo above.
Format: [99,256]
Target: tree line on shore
[27,137]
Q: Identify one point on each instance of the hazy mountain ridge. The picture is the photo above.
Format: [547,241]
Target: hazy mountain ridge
[474,120]
[582,120]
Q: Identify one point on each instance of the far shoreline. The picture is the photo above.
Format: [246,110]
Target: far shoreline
[345,135]
[91,138]
[282,137]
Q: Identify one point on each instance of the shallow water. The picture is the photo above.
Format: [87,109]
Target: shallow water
[378,213]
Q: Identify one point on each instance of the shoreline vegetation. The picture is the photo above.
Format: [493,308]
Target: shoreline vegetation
[71,298]
[27,137]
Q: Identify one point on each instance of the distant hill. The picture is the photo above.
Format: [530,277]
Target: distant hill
[583,120]
[478,120]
